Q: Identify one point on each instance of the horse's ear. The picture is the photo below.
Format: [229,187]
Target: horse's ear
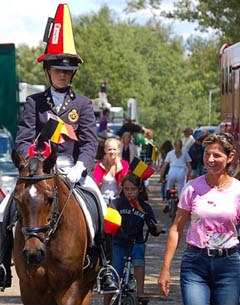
[49,162]
[17,159]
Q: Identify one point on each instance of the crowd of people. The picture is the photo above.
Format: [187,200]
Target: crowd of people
[180,162]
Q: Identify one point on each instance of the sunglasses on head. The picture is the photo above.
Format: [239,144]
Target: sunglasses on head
[227,136]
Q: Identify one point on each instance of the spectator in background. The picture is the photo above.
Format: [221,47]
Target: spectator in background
[204,133]
[143,153]
[188,139]
[103,86]
[131,127]
[128,150]
[103,94]
[196,153]
[103,130]
[109,172]
[165,148]
[179,163]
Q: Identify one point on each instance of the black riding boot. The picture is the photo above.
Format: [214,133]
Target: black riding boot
[107,274]
[6,245]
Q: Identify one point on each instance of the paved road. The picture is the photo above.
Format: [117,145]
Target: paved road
[154,255]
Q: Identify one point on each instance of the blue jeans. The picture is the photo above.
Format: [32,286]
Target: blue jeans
[164,190]
[119,253]
[210,280]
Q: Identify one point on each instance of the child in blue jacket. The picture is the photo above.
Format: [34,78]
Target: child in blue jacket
[135,212]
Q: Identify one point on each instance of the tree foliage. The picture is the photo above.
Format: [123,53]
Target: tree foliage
[146,62]
[220,15]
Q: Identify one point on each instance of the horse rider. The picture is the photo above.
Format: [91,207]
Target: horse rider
[77,156]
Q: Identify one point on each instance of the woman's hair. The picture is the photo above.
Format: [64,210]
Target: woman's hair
[105,111]
[178,150]
[126,134]
[143,195]
[108,140]
[165,148]
[224,139]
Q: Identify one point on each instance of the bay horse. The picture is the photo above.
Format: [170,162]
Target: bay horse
[51,237]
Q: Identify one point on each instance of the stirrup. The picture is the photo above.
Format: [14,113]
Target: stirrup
[100,276]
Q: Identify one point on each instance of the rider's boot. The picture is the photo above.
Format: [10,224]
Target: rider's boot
[6,245]
[108,283]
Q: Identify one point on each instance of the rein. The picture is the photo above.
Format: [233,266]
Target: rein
[35,177]
[50,228]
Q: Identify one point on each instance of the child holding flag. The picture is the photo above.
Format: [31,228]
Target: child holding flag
[135,212]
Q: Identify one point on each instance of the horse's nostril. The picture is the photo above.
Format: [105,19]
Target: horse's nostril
[34,257]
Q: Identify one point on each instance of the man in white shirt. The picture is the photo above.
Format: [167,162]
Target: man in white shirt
[188,139]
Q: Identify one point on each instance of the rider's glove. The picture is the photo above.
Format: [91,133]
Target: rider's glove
[75,172]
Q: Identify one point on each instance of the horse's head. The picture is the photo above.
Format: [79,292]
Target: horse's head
[35,194]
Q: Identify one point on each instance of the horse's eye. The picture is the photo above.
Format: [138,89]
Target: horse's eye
[50,200]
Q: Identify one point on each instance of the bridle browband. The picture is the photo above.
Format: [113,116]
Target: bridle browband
[35,177]
[49,229]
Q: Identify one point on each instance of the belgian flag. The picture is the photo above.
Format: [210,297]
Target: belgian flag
[55,127]
[141,169]
[52,131]
[112,221]
[151,152]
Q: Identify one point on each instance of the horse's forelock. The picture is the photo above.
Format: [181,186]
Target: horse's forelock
[33,165]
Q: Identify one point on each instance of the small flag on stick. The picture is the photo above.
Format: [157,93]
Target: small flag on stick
[112,221]
[54,129]
[141,169]
[151,152]
[137,205]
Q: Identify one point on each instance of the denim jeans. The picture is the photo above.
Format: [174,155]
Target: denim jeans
[210,280]
[118,254]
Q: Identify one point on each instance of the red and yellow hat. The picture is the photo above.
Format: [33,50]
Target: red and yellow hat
[60,50]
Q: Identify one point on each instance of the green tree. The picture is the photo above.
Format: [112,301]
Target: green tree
[28,69]
[220,15]
[146,62]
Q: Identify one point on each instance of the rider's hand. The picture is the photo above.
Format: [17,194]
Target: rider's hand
[75,172]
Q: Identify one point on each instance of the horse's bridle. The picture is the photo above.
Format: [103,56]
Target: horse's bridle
[50,228]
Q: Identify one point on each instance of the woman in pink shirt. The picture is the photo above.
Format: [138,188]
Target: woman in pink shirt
[210,268]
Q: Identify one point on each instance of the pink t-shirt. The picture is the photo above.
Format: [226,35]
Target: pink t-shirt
[214,214]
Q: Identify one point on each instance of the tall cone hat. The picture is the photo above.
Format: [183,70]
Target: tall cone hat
[59,38]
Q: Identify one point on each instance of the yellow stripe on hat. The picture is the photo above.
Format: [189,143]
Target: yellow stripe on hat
[140,168]
[69,46]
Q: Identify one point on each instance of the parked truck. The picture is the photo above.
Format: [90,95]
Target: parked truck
[9,106]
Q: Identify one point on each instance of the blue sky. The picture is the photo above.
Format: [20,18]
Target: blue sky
[23,21]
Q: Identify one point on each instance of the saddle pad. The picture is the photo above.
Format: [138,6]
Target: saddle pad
[3,205]
[89,205]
